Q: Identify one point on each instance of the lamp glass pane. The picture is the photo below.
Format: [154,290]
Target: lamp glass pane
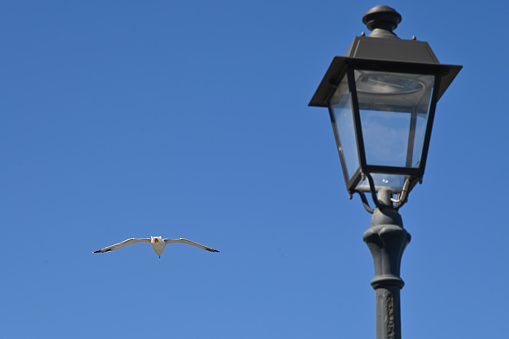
[394,109]
[343,125]
[393,182]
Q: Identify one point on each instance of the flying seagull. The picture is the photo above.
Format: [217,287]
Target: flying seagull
[158,244]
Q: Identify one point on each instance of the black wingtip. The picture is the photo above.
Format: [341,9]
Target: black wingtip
[101,251]
[212,250]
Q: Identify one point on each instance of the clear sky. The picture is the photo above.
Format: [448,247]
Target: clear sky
[189,118]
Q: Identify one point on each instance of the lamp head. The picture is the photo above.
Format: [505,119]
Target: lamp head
[381,98]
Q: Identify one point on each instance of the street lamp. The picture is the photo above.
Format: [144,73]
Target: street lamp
[381,98]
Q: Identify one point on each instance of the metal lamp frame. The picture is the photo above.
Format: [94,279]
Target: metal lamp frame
[344,67]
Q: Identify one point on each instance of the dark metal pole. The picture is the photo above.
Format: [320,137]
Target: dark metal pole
[387,239]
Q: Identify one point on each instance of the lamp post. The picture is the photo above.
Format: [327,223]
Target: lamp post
[381,98]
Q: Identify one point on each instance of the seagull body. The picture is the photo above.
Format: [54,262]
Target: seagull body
[158,244]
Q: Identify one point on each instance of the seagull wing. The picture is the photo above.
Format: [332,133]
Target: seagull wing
[189,242]
[122,244]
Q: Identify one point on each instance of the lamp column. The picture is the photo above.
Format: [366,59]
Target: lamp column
[387,239]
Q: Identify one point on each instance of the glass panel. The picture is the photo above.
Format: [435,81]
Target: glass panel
[342,122]
[393,108]
[394,182]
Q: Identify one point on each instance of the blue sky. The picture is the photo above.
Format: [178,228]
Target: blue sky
[189,119]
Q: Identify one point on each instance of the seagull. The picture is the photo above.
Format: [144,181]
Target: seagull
[158,244]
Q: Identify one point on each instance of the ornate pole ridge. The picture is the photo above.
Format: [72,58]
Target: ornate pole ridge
[386,239]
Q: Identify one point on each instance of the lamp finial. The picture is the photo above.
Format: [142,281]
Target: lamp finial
[382,20]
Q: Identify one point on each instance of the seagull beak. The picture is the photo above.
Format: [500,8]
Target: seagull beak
[159,257]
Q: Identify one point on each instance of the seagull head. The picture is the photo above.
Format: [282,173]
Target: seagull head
[155,240]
